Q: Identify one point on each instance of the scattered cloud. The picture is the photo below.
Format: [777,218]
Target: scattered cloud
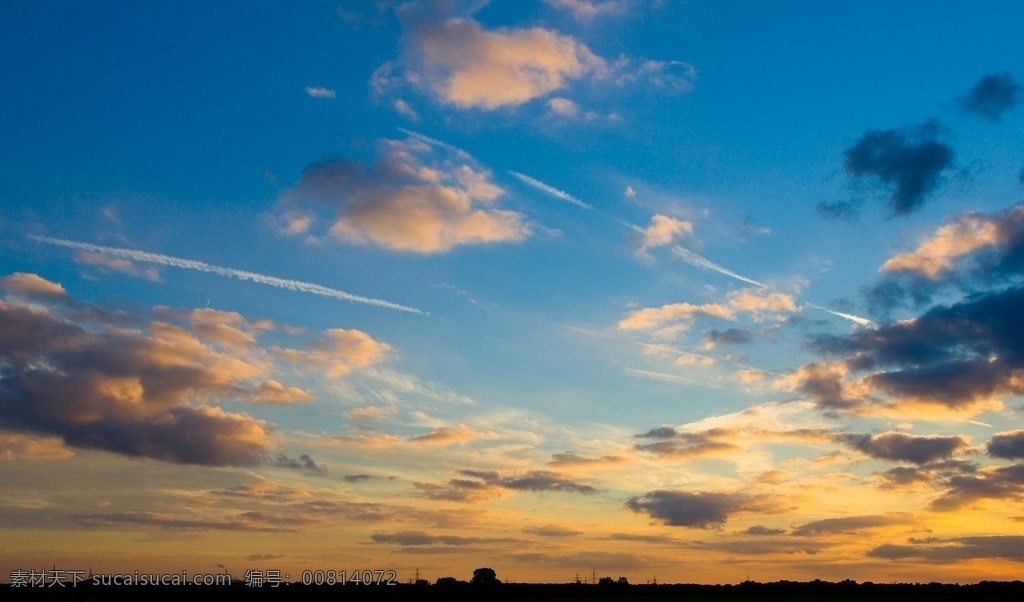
[1001,235]
[476,485]
[587,10]
[568,459]
[760,304]
[671,443]
[31,285]
[994,483]
[563,107]
[422,538]
[960,356]
[992,96]
[662,231]
[304,462]
[320,92]
[337,351]
[407,200]
[851,524]
[552,531]
[700,510]
[124,391]
[1009,445]
[447,435]
[908,160]
[900,447]
[941,551]
[460,63]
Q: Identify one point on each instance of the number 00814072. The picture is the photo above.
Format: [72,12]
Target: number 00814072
[357,577]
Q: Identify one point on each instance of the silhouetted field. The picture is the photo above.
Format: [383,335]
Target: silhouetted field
[849,591]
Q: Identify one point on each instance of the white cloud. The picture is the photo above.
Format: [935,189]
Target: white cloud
[563,107]
[318,92]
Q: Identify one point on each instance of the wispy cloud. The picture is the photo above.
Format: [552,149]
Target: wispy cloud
[190,264]
[702,262]
[671,378]
[320,92]
[560,194]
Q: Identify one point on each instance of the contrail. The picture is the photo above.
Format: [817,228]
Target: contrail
[698,261]
[565,196]
[189,264]
[434,142]
[672,378]
[850,317]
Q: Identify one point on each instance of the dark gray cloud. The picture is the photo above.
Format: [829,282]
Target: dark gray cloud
[533,480]
[850,524]
[900,447]
[303,462]
[958,548]
[759,530]
[824,384]
[904,476]
[358,478]
[121,390]
[660,432]
[700,510]
[996,483]
[909,161]
[840,211]
[643,538]
[954,355]
[730,336]
[552,531]
[685,444]
[482,484]
[135,520]
[1008,445]
[762,546]
[972,252]
[570,459]
[992,96]
[930,473]
[421,538]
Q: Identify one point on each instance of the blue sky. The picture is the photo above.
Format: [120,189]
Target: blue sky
[685,275]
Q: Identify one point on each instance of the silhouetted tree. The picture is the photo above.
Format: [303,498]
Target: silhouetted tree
[485,576]
[449,581]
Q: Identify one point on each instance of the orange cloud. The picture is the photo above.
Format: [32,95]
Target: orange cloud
[447,435]
[30,285]
[464,65]
[937,254]
[338,351]
[402,204]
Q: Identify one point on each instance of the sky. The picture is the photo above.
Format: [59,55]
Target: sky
[695,291]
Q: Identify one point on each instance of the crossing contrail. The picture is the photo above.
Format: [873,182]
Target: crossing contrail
[565,196]
[190,264]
